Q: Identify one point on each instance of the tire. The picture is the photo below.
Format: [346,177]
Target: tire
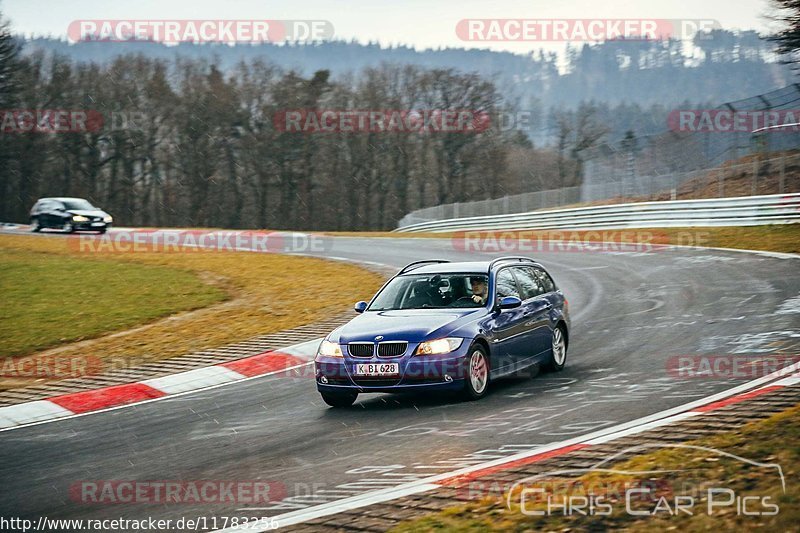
[68,227]
[35,227]
[102,231]
[558,350]
[343,399]
[476,373]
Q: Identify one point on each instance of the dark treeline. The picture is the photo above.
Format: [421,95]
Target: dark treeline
[189,140]
[207,153]
[723,65]
[185,144]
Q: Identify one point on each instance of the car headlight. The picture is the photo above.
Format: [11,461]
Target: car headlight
[439,346]
[108,219]
[79,218]
[329,349]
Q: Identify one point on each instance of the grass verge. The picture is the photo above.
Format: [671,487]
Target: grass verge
[49,299]
[690,472]
[255,294]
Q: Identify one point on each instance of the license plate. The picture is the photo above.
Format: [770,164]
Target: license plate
[98,224]
[377,369]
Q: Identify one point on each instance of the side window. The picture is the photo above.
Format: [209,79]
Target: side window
[529,283]
[546,280]
[506,285]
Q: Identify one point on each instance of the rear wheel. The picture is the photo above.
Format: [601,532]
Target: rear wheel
[341,399]
[476,381]
[558,354]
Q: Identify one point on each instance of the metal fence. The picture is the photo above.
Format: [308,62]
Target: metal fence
[666,166]
[742,211]
[762,175]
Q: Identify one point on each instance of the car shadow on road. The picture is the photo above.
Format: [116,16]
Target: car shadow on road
[498,390]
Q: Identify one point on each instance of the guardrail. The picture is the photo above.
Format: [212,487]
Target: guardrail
[741,211]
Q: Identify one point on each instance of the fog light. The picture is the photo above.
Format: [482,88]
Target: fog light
[323,380]
[447,378]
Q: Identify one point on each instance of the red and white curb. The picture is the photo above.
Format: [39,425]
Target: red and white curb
[96,400]
[786,377]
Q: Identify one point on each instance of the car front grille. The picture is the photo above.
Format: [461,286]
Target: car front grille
[361,349]
[392,349]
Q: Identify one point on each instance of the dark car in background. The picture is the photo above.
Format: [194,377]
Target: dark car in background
[69,215]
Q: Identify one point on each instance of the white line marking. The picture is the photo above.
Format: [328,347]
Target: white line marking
[424,484]
[31,412]
[193,379]
[354,502]
[644,427]
[168,397]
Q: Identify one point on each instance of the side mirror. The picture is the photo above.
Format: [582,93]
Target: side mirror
[510,302]
[360,307]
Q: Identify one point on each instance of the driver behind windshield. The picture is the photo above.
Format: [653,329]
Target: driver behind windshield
[480,290]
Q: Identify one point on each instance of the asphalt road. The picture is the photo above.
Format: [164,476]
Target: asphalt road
[631,313]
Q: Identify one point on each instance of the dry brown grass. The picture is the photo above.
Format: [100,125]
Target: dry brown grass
[774,440]
[265,293]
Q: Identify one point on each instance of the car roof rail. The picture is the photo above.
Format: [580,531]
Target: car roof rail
[511,258]
[417,264]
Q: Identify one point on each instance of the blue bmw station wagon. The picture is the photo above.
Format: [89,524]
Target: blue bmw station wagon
[447,326]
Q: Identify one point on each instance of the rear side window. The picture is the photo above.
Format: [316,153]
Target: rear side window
[545,279]
[506,285]
[529,283]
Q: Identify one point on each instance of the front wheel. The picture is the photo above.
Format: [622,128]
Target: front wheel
[35,227]
[476,381]
[342,399]
[558,353]
[68,227]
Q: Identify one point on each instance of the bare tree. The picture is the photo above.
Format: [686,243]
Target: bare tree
[788,38]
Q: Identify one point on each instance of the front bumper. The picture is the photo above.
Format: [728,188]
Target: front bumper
[91,226]
[440,372]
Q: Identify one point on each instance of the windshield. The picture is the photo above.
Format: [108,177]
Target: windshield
[432,291]
[78,204]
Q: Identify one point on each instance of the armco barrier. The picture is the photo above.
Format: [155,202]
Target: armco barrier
[742,211]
